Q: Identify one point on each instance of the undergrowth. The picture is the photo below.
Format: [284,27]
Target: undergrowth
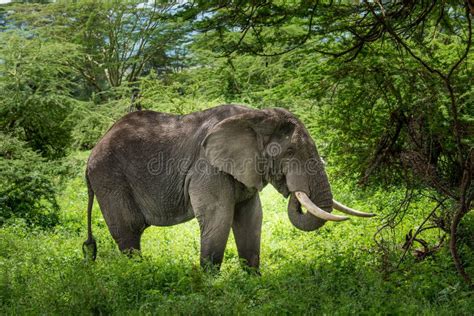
[335,270]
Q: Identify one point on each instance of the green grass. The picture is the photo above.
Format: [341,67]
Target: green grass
[336,270]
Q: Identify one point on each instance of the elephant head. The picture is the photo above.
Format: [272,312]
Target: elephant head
[273,146]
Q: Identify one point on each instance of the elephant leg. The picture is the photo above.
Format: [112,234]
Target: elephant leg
[212,201]
[123,218]
[247,228]
[214,234]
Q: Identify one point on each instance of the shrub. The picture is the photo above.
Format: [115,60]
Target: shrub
[37,87]
[26,190]
[92,121]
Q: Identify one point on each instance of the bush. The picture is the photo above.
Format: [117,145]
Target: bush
[37,89]
[92,121]
[26,190]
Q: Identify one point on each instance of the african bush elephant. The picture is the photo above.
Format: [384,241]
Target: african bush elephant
[160,169]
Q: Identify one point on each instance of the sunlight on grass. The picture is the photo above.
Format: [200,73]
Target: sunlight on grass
[335,270]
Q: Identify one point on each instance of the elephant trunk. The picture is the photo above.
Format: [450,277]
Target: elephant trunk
[303,221]
[319,199]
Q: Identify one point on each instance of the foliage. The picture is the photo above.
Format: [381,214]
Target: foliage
[93,120]
[393,91]
[36,85]
[119,40]
[26,189]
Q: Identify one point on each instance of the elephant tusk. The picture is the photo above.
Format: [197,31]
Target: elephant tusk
[315,210]
[341,207]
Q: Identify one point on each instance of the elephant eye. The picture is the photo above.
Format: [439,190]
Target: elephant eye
[290,151]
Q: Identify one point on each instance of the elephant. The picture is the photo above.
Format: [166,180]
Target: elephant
[160,169]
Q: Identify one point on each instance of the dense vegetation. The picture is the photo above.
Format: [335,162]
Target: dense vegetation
[386,89]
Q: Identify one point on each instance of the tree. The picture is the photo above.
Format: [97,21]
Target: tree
[400,66]
[37,87]
[120,41]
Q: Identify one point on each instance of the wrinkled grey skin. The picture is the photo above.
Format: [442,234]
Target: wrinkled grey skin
[160,169]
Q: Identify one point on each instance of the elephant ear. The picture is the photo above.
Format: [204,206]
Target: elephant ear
[235,146]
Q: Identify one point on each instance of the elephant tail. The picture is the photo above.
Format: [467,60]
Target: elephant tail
[90,244]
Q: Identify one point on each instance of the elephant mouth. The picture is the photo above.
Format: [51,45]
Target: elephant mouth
[294,204]
[279,183]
